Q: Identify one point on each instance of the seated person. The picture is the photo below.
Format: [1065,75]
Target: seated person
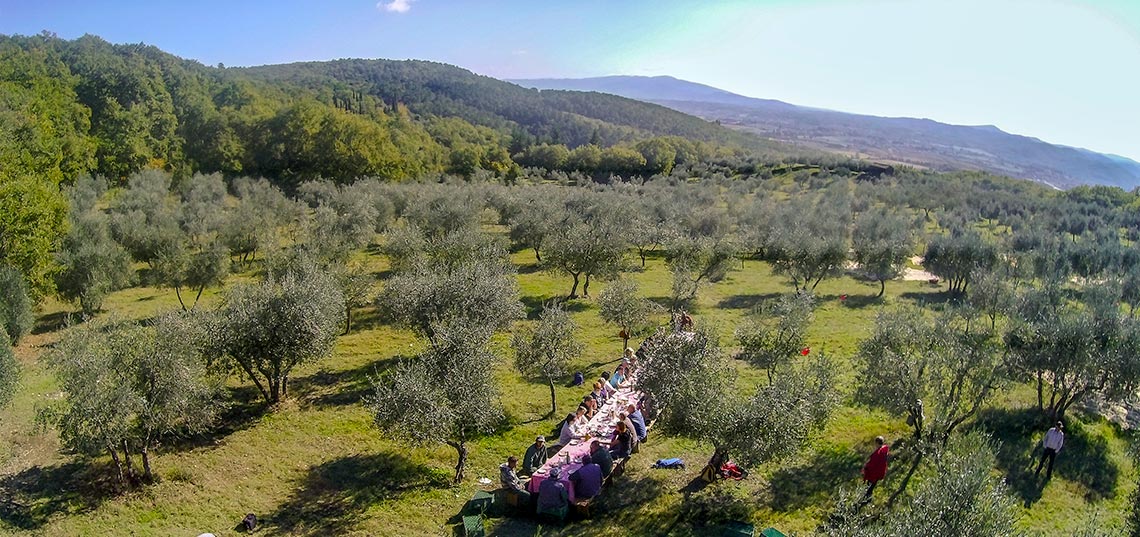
[591,406]
[606,390]
[618,377]
[553,499]
[638,420]
[601,392]
[535,456]
[587,479]
[601,457]
[624,418]
[622,442]
[573,427]
[511,481]
[629,359]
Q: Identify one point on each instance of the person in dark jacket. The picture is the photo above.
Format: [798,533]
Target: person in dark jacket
[622,442]
[587,479]
[876,468]
[553,499]
[601,456]
[638,421]
[535,456]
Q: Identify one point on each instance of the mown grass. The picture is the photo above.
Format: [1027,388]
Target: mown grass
[316,466]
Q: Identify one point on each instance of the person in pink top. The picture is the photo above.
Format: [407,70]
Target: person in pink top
[876,468]
[1053,442]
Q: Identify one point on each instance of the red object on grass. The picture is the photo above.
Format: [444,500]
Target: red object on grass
[804,351]
[842,297]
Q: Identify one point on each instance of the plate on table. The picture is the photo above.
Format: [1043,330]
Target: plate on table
[575,442]
[540,471]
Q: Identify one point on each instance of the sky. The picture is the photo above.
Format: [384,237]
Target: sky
[1065,71]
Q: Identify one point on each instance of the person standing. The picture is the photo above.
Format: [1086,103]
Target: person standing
[1053,441]
[876,468]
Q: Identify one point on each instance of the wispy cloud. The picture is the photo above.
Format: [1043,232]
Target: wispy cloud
[395,6]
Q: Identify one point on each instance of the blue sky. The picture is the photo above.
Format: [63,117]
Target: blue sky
[1065,71]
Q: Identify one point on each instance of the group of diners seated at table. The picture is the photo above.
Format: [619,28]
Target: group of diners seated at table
[607,426]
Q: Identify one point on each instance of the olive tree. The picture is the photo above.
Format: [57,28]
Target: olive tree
[127,386]
[269,328]
[252,224]
[356,284]
[590,242]
[806,244]
[536,219]
[1070,351]
[15,304]
[881,243]
[92,263]
[546,350]
[9,370]
[145,217]
[959,494]
[935,371]
[688,377]
[485,292]
[777,334]
[445,395]
[619,305]
[957,256]
[192,266]
[694,261]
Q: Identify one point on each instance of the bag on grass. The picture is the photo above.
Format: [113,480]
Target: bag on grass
[670,463]
[730,470]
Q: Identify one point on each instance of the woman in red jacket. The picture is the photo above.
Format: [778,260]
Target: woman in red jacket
[876,467]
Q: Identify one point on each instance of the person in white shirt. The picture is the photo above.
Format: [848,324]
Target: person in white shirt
[1053,441]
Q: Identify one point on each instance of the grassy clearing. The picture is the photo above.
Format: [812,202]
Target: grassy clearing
[316,466]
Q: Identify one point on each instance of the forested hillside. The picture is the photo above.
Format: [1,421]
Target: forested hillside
[87,106]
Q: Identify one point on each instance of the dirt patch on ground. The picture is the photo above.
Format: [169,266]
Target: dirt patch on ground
[912,274]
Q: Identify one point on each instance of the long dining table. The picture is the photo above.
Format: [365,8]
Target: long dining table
[601,427]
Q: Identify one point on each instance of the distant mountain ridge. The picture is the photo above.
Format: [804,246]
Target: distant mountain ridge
[922,142]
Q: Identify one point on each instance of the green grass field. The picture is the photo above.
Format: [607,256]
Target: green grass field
[316,466]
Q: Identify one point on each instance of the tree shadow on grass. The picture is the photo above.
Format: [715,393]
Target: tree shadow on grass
[325,389]
[366,318]
[53,322]
[853,301]
[244,410]
[628,501]
[530,268]
[745,301]
[30,498]
[333,497]
[1017,431]
[1083,459]
[534,304]
[813,482]
[935,299]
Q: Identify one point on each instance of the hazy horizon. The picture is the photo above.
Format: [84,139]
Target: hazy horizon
[1064,71]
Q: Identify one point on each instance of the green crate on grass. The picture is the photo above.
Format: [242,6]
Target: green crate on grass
[480,503]
[738,529]
[473,526]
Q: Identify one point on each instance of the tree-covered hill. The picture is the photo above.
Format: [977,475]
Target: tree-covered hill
[557,117]
[89,106]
